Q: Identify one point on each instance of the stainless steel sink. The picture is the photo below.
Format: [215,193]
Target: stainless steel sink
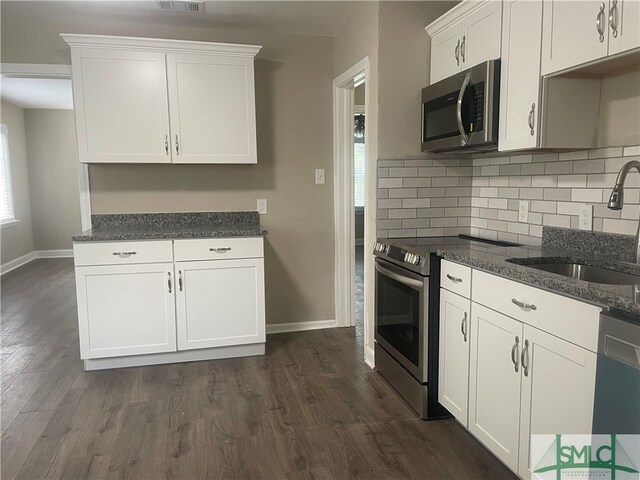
[586,272]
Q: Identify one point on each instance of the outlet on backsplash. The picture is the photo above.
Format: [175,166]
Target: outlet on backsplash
[523,211]
[586,217]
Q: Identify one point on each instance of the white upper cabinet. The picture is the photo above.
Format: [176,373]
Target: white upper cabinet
[520,82]
[143,100]
[624,25]
[120,98]
[465,36]
[445,53]
[579,32]
[211,99]
[481,35]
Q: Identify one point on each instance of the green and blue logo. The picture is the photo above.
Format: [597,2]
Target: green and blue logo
[614,457]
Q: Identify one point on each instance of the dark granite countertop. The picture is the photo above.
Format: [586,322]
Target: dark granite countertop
[146,226]
[493,259]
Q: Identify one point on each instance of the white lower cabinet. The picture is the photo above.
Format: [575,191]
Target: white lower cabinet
[494,386]
[558,383]
[220,303]
[125,310]
[453,374]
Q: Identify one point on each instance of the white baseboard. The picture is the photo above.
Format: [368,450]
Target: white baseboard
[24,259]
[300,326]
[17,262]
[369,356]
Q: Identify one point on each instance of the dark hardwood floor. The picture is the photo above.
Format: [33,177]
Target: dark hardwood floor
[310,408]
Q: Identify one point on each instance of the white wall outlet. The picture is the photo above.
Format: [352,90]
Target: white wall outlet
[319,176]
[523,211]
[586,217]
[262,206]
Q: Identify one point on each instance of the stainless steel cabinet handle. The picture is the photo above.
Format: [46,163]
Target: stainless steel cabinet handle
[464,138]
[463,326]
[180,280]
[531,118]
[177,146]
[600,22]
[169,281]
[457,53]
[220,249]
[166,144]
[528,306]
[514,354]
[613,18]
[454,279]
[464,41]
[124,254]
[524,359]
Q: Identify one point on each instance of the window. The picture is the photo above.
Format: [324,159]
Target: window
[6,213]
[359,160]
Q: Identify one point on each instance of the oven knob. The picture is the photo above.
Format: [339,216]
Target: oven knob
[416,259]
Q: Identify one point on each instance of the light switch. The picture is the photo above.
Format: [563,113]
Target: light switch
[319,176]
[262,206]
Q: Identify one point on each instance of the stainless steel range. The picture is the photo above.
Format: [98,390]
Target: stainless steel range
[406,316]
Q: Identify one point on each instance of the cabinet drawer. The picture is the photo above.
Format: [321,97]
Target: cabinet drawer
[121,253]
[572,320]
[218,248]
[456,278]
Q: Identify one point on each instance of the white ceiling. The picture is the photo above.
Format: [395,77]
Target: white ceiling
[37,92]
[302,17]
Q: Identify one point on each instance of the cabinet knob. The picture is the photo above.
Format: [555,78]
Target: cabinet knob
[124,254]
[169,281]
[524,359]
[514,354]
[456,53]
[463,326]
[526,306]
[220,249]
[613,18]
[464,42]
[531,118]
[177,146]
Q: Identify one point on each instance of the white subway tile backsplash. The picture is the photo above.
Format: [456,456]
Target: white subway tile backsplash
[586,195]
[447,196]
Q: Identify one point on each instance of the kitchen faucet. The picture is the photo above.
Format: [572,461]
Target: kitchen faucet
[616,200]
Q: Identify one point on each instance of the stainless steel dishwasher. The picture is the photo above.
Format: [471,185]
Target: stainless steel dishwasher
[617,396]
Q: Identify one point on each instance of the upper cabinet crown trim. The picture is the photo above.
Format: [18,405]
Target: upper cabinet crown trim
[231,49]
[453,15]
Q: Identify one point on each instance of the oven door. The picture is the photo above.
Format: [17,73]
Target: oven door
[401,312]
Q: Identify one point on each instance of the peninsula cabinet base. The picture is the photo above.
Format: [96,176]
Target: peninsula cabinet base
[175,357]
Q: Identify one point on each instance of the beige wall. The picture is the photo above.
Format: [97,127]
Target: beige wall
[53,177]
[620,110]
[294,77]
[404,59]
[17,239]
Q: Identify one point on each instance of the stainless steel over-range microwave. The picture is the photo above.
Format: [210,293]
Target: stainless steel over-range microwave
[460,113]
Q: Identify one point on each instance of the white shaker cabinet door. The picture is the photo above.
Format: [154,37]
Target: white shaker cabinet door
[481,36]
[624,25]
[558,384]
[212,108]
[520,74]
[453,371]
[445,53]
[126,310]
[494,382]
[220,303]
[121,106]
[574,32]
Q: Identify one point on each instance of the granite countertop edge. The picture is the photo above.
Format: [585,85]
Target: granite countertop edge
[554,283]
[90,236]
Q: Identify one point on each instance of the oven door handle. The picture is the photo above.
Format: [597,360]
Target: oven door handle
[409,282]
[464,138]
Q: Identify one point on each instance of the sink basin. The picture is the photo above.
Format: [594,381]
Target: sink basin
[585,272]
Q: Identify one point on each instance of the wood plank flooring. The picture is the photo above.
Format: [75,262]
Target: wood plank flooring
[309,408]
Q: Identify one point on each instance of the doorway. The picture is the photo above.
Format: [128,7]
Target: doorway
[353,279]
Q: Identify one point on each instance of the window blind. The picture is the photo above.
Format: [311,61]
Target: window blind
[359,161]
[6,195]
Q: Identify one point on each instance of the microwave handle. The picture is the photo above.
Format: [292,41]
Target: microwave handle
[464,138]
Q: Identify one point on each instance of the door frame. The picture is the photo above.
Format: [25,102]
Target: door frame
[31,70]
[344,217]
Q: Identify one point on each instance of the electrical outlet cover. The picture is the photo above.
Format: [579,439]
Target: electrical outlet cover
[523,211]
[262,206]
[586,217]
